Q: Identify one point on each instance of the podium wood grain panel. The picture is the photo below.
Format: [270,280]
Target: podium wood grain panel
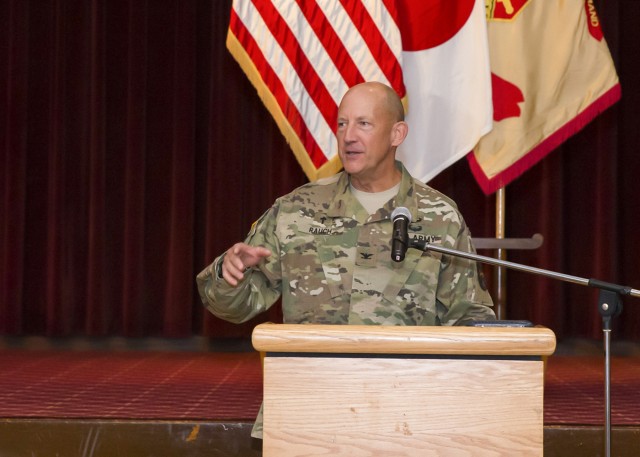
[363,406]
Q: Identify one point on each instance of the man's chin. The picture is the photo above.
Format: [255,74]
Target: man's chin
[352,166]
[351,170]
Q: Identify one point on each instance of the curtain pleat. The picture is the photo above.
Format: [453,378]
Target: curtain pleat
[134,151]
[13,138]
[131,79]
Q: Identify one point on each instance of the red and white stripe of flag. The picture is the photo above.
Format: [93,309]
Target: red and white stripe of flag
[302,56]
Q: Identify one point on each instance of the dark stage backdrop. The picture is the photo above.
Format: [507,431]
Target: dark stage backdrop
[134,150]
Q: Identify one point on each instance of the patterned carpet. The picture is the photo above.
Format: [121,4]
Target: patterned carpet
[574,390]
[228,386]
[130,385]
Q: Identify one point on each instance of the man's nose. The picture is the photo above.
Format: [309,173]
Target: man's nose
[348,135]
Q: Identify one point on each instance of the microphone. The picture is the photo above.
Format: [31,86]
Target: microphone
[401,218]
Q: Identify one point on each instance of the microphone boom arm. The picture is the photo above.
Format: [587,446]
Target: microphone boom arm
[623,290]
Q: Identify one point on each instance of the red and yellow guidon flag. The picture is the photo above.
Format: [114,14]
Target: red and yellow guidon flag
[552,73]
[302,56]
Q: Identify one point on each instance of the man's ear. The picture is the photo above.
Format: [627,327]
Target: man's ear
[399,132]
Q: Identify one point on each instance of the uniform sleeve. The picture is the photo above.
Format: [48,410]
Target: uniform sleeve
[462,294]
[261,285]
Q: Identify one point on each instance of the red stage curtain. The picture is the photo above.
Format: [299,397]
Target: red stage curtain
[134,150]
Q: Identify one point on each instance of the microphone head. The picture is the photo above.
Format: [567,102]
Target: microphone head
[401,211]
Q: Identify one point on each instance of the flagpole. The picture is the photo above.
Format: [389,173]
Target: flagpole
[501,280]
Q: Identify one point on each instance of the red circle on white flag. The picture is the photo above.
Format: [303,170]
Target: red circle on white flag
[425,24]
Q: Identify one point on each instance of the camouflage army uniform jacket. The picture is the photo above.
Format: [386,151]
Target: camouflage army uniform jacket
[331,262]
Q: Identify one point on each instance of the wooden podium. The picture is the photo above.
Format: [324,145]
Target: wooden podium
[345,390]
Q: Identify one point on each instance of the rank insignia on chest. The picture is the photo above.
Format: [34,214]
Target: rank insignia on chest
[366,256]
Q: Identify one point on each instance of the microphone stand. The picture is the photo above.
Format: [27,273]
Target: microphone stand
[609,306]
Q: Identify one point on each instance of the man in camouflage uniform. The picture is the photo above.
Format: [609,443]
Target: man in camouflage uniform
[326,246]
[330,259]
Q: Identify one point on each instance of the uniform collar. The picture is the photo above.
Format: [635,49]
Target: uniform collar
[344,199]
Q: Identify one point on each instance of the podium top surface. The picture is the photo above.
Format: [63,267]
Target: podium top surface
[382,339]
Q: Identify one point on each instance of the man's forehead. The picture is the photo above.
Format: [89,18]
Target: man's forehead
[362,106]
[355,114]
